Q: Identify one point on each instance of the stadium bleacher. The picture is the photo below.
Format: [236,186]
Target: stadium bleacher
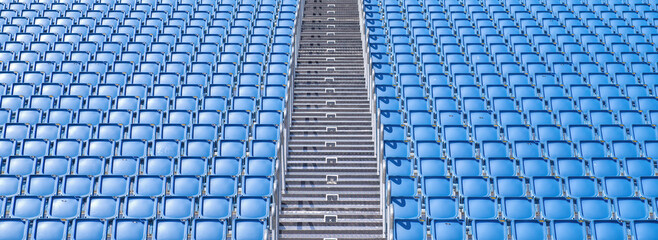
[166,119]
[127,119]
[534,118]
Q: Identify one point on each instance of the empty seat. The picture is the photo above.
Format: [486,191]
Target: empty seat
[409,229]
[568,229]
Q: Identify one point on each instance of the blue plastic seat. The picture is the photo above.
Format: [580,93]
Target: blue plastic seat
[631,208]
[170,229]
[253,207]
[151,186]
[88,228]
[595,208]
[528,229]
[176,208]
[568,229]
[489,229]
[203,229]
[509,186]
[474,186]
[41,185]
[49,229]
[129,229]
[409,229]
[10,185]
[248,229]
[27,207]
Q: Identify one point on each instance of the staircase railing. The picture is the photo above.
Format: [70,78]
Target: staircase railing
[376,129]
[284,129]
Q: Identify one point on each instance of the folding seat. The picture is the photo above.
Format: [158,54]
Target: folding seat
[503,104]
[582,187]
[546,133]
[556,208]
[630,208]
[603,229]
[99,102]
[568,166]
[169,229]
[619,103]
[248,229]
[638,167]
[193,166]
[257,186]
[600,118]
[142,131]
[532,166]
[186,103]
[252,207]
[559,149]
[647,103]
[64,207]
[33,147]
[409,229]
[155,165]
[630,118]
[643,132]
[110,131]
[14,228]
[645,184]
[147,116]
[78,89]
[568,229]
[22,89]
[113,185]
[132,148]
[518,132]
[643,229]
[41,185]
[578,133]
[208,229]
[587,104]
[49,228]
[618,187]
[474,186]
[26,207]
[79,131]
[494,149]
[624,149]
[185,185]
[126,166]
[518,208]
[481,208]
[169,147]
[441,207]
[151,186]
[406,186]
[16,131]
[129,228]
[68,147]
[28,116]
[176,208]
[524,90]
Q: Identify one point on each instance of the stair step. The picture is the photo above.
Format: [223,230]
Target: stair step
[331,132]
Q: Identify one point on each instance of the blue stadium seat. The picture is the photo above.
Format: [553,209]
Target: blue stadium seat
[88,228]
[568,229]
[208,229]
[409,229]
[602,229]
[129,228]
[49,228]
[170,229]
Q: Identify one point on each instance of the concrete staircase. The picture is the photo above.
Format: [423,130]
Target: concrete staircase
[332,182]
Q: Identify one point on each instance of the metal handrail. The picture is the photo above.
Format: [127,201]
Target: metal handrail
[282,145]
[376,118]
